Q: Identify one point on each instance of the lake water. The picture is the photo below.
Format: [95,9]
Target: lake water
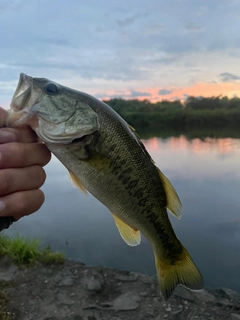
[206,175]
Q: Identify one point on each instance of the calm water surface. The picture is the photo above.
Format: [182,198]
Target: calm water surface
[206,174]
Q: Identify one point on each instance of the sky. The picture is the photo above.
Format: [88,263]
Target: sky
[154,49]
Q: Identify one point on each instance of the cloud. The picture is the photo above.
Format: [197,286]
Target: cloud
[127,94]
[228,77]
[178,93]
[193,27]
[103,46]
[100,29]
[127,21]
[5,5]
[121,9]
[59,41]
[12,5]
[154,29]
[135,94]
[164,92]
[201,11]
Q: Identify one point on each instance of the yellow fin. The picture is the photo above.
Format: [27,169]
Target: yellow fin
[173,202]
[183,272]
[76,182]
[130,235]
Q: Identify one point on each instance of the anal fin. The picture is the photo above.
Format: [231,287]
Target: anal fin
[77,183]
[130,235]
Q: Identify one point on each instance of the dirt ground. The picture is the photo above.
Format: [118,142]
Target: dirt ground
[74,291]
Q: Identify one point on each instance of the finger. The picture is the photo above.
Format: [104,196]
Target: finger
[21,179]
[21,203]
[19,155]
[3,116]
[24,134]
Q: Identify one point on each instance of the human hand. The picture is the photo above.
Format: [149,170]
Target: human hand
[22,159]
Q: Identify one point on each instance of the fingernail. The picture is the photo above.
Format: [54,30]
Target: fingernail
[6,136]
[2,206]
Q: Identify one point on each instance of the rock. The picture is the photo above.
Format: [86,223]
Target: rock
[176,312]
[221,293]
[94,285]
[145,279]
[231,293]
[46,271]
[9,274]
[184,293]
[224,303]
[92,293]
[66,282]
[127,301]
[63,278]
[204,296]
[127,277]
[143,293]
[64,299]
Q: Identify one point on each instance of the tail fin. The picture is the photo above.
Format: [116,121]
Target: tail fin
[183,272]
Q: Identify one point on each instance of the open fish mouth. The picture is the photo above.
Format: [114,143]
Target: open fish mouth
[22,92]
[25,96]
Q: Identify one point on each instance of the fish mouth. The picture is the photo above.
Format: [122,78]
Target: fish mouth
[22,92]
[24,97]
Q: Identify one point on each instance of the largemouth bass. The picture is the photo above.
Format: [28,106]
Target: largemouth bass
[104,156]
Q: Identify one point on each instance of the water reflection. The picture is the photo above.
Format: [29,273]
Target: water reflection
[207,177]
[196,146]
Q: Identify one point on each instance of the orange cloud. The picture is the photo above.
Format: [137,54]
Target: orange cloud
[229,89]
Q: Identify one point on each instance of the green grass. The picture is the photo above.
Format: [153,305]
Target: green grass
[23,251]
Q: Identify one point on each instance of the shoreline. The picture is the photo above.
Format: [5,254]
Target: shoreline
[75,291]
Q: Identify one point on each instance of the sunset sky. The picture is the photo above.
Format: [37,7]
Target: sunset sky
[154,49]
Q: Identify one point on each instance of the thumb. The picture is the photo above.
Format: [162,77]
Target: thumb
[3,116]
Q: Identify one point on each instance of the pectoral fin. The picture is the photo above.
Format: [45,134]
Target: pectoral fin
[130,235]
[173,202]
[76,182]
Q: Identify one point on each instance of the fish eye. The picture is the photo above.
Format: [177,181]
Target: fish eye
[51,88]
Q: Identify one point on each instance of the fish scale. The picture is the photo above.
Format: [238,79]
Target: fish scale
[105,157]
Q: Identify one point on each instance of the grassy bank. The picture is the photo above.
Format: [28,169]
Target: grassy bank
[23,252]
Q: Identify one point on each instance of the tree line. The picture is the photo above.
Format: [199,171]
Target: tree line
[213,112]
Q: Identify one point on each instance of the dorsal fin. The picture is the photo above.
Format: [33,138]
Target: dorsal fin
[140,143]
[76,182]
[173,202]
[134,131]
[130,235]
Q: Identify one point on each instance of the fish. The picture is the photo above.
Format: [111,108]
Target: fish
[105,157]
